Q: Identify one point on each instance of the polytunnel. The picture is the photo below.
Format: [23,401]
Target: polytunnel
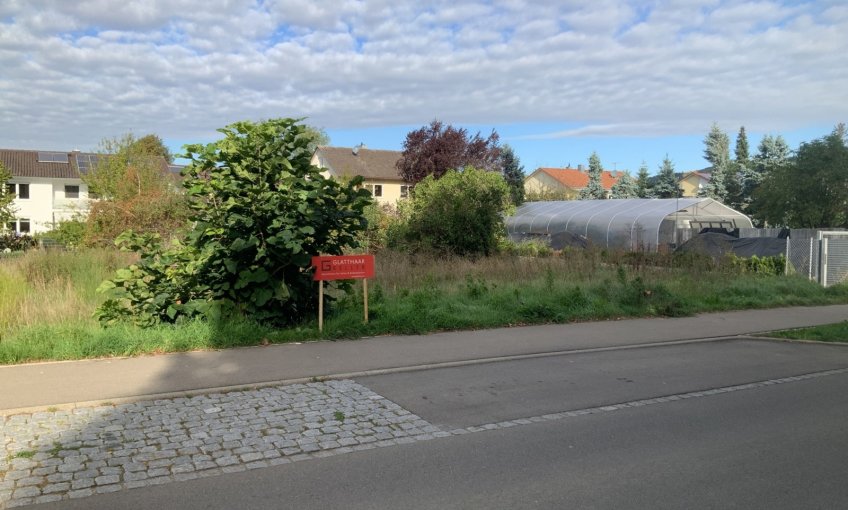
[628,224]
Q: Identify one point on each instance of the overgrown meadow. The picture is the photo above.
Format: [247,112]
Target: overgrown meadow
[47,299]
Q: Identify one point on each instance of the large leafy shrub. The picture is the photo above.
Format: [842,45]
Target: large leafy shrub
[260,211]
[460,213]
[16,242]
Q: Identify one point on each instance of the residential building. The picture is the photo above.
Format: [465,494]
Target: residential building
[48,187]
[377,167]
[693,182]
[564,183]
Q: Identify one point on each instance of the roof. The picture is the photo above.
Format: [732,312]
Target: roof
[698,173]
[369,163]
[578,179]
[24,163]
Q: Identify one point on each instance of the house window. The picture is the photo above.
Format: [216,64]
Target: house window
[23,227]
[10,188]
[404,191]
[71,191]
[23,190]
[376,190]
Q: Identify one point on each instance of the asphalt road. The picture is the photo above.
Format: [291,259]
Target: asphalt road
[771,447]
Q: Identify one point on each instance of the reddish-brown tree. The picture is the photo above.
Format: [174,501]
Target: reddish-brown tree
[435,149]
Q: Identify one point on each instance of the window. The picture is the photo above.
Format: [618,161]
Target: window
[10,188]
[376,190]
[404,191]
[71,191]
[23,226]
[23,190]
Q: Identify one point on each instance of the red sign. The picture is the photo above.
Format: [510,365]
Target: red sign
[343,267]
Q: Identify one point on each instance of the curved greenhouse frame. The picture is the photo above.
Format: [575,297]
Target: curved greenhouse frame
[629,224]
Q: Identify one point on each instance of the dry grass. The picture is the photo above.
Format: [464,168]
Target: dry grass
[48,287]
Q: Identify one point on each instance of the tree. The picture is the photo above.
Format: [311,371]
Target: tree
[772,155]
[811,189]
[717,152]
[435,149]
[7,198]
[136,190]
[461,213]
[738,172]
[594,190]
[643,183]
[513,173]
[260,211]
[151,144]
[128,167]
[666,185]
[317,137]
[625,187]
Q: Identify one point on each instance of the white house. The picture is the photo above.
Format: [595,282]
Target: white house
[48,187]
[377,167]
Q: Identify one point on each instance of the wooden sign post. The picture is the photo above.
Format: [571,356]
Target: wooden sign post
[342,267]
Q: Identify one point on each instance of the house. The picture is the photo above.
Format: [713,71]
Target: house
[564,183]
[48,187]
[377,167]
[693,182]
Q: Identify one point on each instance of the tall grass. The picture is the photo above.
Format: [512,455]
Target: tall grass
[51,287]
[46,299]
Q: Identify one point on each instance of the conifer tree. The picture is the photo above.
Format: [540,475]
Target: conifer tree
[594,190]
[513,172]
[625,187]
[643,184]
[666,186]
[717,152]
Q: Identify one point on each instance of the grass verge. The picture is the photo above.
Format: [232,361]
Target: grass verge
[837,333]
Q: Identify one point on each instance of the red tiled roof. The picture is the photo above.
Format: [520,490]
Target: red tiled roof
[577,179]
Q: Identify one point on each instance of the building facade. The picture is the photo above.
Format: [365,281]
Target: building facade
[378,168]
[47,186]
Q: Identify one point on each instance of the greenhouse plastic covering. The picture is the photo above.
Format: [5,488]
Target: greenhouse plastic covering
[631,224]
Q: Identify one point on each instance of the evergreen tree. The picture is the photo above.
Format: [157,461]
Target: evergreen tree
[594,190]
[666,186]
[513,172]
[737,173]
[741,152]
[625,187]
[717,152]
[643,185]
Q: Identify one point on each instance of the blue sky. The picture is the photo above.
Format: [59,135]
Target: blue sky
[557,79]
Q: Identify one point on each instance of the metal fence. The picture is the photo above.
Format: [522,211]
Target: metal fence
[818,254]
[833,265]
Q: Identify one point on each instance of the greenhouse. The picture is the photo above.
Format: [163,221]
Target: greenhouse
[628,224]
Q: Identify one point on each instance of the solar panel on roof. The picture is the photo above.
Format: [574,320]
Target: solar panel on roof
[85,162]
[52,157]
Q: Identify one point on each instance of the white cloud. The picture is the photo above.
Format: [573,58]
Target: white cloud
[74,72]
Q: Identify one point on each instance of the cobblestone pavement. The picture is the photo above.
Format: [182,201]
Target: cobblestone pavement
[55,455]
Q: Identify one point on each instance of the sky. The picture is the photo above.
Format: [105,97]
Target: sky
[557,79]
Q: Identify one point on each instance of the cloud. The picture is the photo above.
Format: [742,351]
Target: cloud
[75,72]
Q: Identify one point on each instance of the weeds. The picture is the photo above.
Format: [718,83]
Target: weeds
[411,294]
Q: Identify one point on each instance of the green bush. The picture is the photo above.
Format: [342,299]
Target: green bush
[459,213]
[769,266]
[260,211]
[70,233]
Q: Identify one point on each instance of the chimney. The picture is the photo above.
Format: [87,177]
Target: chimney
[580,167]
[356,149]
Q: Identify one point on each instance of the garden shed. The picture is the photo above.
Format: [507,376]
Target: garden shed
[627,224]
